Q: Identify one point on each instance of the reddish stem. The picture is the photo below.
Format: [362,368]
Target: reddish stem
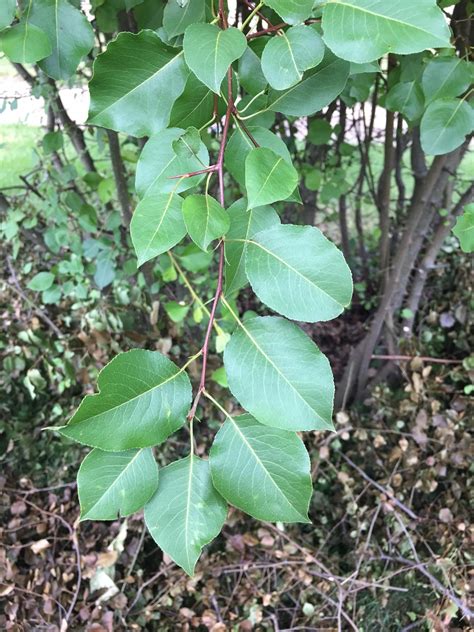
[219,167]
[277,27]
[270,29]
[191,174]
[244,127]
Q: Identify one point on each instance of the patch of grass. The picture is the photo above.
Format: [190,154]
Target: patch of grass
[17,152]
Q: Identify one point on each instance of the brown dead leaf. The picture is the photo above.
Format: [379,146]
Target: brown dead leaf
[39,546]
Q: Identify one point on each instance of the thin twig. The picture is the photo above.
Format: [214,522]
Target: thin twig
[381,488]
[421,567]
[220,275]
[403,358]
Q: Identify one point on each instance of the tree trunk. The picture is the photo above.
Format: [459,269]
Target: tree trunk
[427,195]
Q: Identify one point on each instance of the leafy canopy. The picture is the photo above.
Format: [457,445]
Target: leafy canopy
[203,89]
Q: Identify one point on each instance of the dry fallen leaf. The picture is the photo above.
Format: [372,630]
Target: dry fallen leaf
[39,546]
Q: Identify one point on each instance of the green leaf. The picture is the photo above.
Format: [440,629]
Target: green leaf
[70,34]
[313,180]
[177,18]
[188,144]
[243,226]
[464,229]
[186,512]
[25,43]
[279,375]
[209,52]
[7,12]
[299,273]
[159,163]
[263,471]
[292,11]
[319,132]
[445,124]
[41,281]
[151,77]
[116,484]
[286,57]
[445,77]
[176,311]
[319,87]
[251,76]
[205,219]
[157,225]
[194,107]
[149,14]
[268,177]
[364,30]
[240,145]
[143,399]
[408,99]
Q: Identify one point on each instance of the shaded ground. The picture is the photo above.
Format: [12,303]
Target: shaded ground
[388,547]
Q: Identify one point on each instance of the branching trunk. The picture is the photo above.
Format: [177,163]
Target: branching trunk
[429,260]
[120,177]
[426,199]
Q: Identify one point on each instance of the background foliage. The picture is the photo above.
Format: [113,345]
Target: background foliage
[387,547]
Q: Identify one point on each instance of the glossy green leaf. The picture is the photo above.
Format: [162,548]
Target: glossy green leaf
[157,225]
[143,398]
[279,375]
[251,75]
[177,18]
[445,77]
[205,219]
[243,226]
[135,84]
[115,484]
[186,512]
[287,56]
[299,273]
[364,30]
[292,11]
[149,14]
[319,87]
[268,177]
[408,99]
[159,164]
[7,12]
[25,43]
[209,51]
[240,145]
[263,471]
[445,124]
[464,229]
[69,32]
[194,107]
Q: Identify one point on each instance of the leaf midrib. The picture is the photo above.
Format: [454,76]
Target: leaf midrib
[288,265]
[169,379]
[137,87]
[284,93]
[270,361]
[165,211]
[262,465]
[381,16]
[266,180]
[113,483]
